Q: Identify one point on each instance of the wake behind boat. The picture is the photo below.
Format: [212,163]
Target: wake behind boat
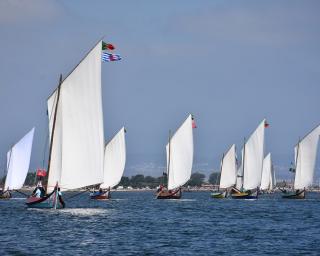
[179,160]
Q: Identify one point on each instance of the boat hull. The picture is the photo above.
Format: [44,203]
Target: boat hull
[295,195]
[166,194]
[5,195]
[219,195]
[245,195]
[46,202]
[101,196]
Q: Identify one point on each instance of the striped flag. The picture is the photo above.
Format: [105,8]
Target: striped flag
[107,57]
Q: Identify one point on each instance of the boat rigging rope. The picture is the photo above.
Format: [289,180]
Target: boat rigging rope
[77,194]
[47,134]
[26,195]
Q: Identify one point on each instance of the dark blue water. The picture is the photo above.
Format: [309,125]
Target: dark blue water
[134,223]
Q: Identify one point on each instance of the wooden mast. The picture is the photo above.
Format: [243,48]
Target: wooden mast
[244,154]
[53,129]
[6,172]
[295,164]
[220,171]
[169,159]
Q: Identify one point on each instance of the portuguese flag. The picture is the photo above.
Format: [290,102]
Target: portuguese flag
[107,46]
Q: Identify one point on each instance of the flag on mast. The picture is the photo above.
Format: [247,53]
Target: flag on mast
[266,124]
[193,123]
[41,173]
[107,57]
[107,46]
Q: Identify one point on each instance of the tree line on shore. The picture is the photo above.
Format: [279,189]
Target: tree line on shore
[141,181]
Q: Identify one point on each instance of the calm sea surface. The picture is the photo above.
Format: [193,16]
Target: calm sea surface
[134,223]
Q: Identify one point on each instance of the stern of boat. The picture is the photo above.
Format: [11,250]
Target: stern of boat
[101,196]
[295,195]
[167,194]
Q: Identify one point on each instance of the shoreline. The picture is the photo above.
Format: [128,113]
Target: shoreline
[184,190]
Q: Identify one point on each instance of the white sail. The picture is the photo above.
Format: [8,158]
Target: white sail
[267,179]
[114,160]
[78,144]
[306,159]
[18,160]
[181,155]
[239,181]
[253,158]
[273,178]
[228,168]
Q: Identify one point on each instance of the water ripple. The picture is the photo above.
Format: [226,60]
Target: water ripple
[135,223]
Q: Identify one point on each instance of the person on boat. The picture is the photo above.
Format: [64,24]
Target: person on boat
[5,193]
[98,193]
[60,198]
[39,190]
[160,188]
[292,168]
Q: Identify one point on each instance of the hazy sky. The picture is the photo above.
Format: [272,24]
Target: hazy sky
[230,63]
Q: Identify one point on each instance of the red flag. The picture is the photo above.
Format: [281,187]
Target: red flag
[193,123]
[266,125]
[107,46]
[41,173]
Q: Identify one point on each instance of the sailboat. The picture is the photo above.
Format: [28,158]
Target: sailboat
[18,161]
[76,153]
[228,173]
[252,163]
[268,175]
[179,160]
[239,180]
[305,153]
[114,163]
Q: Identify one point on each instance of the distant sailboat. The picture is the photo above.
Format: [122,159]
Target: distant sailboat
[228,174]
[239,180]
[268,176]
[76,154]
[305,153]
[252,163]
[114,163]
[179,160]
[18,161]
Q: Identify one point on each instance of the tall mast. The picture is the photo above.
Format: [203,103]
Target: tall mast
[296,162]
[272,177]
[169,157]
[6,172]
[53,129]
[220,171]
[244,154]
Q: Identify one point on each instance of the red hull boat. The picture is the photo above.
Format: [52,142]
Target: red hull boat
[105,195]
[52,200]
[167,194]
